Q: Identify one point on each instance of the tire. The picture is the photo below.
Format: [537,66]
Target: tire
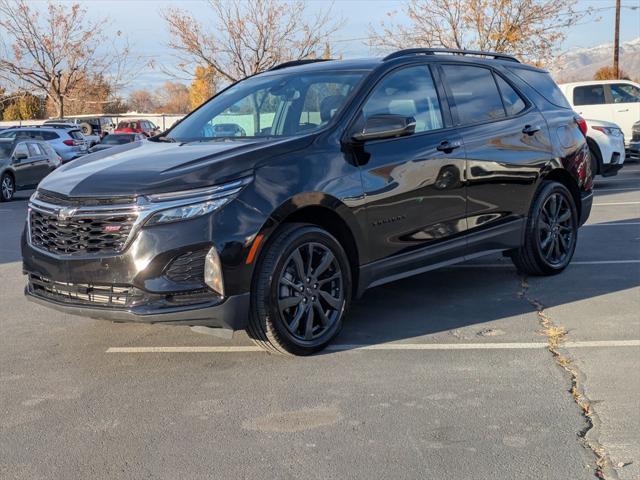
[551,232]
[86,128]
[285,319]
[7,187]
[596,158]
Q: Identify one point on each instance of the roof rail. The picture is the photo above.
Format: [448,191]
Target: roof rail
[453,51]
[295,63]
[60,125]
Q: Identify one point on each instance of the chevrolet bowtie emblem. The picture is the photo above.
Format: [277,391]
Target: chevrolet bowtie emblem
[66,213]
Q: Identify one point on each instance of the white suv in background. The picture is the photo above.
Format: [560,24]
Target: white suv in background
[616,101]
[606,143]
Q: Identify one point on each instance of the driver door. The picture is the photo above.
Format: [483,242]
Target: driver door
[25,174]
[414,189]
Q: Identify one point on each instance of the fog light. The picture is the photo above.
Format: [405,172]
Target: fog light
[213,272]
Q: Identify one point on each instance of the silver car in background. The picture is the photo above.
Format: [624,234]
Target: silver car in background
[67,141]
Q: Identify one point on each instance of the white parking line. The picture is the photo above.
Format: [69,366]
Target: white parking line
[509,265]
[614,224]
[387,347]
[615,203]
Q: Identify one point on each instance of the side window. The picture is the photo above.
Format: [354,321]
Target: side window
[322,100]
[475,93]
[34,149]
[625,93]
[49,135]
[21,148]
[409,92]
[513,102]
[589,95]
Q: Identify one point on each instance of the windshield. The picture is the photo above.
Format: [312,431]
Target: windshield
[270,106]
[117,139]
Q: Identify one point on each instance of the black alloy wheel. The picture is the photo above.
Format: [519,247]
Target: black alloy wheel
[556,229]
[7,187]
[310,291]
[551,232]
[301,291]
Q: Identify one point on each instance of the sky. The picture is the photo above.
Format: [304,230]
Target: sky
[141,22]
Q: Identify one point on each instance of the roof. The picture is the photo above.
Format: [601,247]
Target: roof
[594,82]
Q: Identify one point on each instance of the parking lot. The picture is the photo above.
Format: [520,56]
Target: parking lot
[468,372]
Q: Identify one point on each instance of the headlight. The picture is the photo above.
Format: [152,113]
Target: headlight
[188,204]
[186,212]
[613,132]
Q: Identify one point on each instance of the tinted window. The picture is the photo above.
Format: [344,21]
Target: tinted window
[76,134]
[542,83]
[589,95]
[50,135]
[475,93]
[625,93]
[513,102]
[409,92]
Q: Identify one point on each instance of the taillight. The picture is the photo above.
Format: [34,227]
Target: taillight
[582,124]
[69,142]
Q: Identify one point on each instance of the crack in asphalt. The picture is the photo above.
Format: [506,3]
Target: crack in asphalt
[556,335]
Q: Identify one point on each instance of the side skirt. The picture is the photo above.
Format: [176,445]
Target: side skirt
[492,240]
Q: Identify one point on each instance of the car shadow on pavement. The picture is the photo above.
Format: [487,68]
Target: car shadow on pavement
[447,301]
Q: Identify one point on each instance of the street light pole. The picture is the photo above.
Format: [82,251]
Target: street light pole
[616,43]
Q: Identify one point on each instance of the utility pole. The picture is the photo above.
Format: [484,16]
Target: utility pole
[616,43]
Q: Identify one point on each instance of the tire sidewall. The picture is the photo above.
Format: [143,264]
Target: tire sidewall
[548,190]
[295,239]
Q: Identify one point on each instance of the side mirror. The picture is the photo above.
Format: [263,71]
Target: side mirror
[385,126]
[19,156]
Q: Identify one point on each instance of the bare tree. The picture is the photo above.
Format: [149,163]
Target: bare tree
[141,101]
[173,97]
[52,52]
[249,37]
[530,29]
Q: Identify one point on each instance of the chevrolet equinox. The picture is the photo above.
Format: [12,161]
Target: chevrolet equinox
[289,193]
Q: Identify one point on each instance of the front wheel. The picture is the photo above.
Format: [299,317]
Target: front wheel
[301,292]
[551,232]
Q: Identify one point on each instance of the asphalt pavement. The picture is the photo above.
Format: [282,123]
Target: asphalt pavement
[472,372]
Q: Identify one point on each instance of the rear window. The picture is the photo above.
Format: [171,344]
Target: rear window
[589,95]
[76,134]
[513,102]
[542,83]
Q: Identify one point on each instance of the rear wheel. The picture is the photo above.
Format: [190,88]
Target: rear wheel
[7,187]
[301,292]
[551,233]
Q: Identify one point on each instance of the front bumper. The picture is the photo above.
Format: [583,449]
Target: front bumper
[230,313]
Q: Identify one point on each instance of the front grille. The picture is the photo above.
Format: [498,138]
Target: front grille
[103,234]
[84,293]
[188,267]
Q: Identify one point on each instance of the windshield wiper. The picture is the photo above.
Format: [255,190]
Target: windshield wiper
[166,139]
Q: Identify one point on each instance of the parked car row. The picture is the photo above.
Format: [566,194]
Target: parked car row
[612,111]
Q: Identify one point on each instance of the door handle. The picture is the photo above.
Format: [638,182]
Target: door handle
[531,129]
[447,147]
[625,110]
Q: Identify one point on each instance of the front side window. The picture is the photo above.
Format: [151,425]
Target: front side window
[589,95]
[280,105]
[475,93]
[409,92]
[625,93]
[21,149]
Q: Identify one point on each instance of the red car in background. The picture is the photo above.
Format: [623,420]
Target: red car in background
[137,126]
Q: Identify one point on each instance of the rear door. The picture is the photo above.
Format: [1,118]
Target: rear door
[39,161]
[507,143]
[25,174]
[414,190]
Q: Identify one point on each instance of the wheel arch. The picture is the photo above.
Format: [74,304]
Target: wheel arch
[594,147]
[563,177]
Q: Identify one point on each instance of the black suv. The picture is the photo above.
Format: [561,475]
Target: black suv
[347,175]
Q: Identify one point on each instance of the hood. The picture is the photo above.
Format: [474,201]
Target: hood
[147,167]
